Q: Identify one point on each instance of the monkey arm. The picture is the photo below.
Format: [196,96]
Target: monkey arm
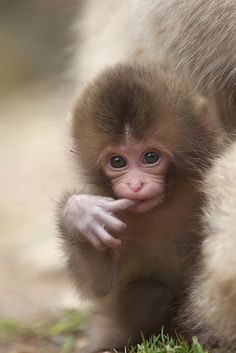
[91,271]
[89,247]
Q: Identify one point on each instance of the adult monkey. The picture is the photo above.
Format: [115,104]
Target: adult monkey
[196,38]
[211,305]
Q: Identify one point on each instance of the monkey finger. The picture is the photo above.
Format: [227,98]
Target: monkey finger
[95,241]
[121,204]
[111,221]
[107,240]
[102,200]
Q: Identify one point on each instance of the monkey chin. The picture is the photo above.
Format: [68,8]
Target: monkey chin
[145,205]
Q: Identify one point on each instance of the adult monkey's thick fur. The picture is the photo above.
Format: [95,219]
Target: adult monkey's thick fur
[211,307]
[198,39]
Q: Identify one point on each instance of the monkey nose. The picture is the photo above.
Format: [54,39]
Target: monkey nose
[135,186]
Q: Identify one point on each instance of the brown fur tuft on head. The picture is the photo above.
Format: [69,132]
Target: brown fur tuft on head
[146,102]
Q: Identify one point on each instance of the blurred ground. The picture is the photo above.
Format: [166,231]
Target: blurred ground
[34,170]
[64,333]
[34,98]
[37,88]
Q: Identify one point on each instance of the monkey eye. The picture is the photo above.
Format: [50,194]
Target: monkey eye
[117,162]
[151,157]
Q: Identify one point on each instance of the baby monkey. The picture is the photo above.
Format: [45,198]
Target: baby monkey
[142,139]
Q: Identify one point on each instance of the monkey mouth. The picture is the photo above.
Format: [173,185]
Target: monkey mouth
[145,205]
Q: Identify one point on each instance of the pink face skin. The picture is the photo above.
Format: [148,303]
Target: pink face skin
[137,171]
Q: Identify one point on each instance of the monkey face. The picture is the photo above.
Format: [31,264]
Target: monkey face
[137,171]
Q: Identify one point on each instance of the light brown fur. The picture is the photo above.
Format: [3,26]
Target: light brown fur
[211,308]
[137,288]
[197,39]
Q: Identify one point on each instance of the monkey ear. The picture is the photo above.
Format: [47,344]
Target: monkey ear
[208,116]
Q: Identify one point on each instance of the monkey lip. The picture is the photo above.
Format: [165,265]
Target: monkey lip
[144,205]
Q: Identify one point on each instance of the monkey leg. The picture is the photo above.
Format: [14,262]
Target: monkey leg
[142,306]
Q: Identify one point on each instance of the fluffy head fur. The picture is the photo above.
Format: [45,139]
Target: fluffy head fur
[143,102]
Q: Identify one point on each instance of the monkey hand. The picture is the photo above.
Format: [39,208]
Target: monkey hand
[91,216]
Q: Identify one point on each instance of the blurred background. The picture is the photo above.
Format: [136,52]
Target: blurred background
[35,94]
[48,49]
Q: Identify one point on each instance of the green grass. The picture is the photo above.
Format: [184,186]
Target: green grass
[166,344]
[63,333]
